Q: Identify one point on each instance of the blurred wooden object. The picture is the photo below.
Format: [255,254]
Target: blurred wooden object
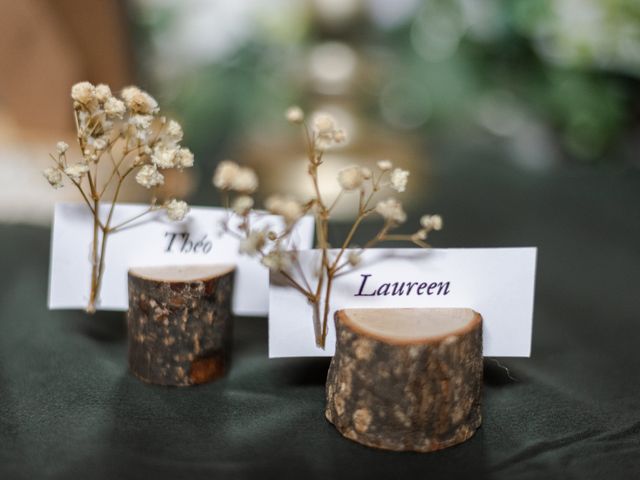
[45,47]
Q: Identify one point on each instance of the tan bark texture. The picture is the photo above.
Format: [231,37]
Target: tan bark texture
[179,323]
[406,379]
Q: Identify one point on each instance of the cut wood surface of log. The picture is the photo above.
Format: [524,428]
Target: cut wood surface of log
[406,378]
[179,323]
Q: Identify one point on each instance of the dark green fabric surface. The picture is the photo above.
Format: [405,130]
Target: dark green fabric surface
[69,409]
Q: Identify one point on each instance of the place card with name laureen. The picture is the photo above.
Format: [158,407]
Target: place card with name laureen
[496,282]
[155,240]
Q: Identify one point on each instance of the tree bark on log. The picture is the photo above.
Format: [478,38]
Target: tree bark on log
[406,379]
[179,323]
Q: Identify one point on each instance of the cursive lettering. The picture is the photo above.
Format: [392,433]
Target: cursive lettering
[395,289]
[183,243]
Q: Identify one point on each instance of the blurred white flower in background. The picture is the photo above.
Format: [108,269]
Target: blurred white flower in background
[590,32]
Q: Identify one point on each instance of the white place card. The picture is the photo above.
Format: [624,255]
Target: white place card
[496,282]
[154,240]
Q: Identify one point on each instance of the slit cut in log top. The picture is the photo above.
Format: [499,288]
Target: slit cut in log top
[410,325]
[182,273]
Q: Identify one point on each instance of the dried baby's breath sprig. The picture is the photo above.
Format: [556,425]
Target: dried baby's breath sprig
[359,183]
[127,134]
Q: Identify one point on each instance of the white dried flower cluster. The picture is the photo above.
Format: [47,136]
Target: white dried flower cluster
[149,176]
[242,205]
[294,114]
[431,222]
[253,243]
[428,224]
[177,210]
[139,102]
[354,258]
[62,147]
[352,178]
[287,207]
[231,176]
[399,179]
[77,171]
[385,165]
[326,133]
[53,176]
[391,210]
[277,260]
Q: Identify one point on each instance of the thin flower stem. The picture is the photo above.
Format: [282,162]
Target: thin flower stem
[116,170]
[95,285]
[398,237]
[347,241]
[151,208]
[98,261]
[379,236]
[336,200]
[327,307]
[301,273]
[310,296]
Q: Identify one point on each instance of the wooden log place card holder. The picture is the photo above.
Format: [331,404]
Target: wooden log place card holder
[406,378]
[179,323]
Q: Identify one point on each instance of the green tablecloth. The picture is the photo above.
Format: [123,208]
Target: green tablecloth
[69,409]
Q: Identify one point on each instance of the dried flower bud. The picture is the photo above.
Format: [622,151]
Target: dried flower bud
[431,222]
[325,131]
[53,176]
[391,210]
[354,258]
[163,156]
[253,243]
[177,210]
[84,93]
[277,260]
[366,173]
[148,176]
[272,235]
[295,114]
[242,204]
[399,179]
[103,93]
[62,147]
[245,181]
[138,101]
[184,158]
[339,136]
[287,207]
[114,108]
[141,122]
[224,174]
[174,131]
[77,171]
[351,178]
[385,165]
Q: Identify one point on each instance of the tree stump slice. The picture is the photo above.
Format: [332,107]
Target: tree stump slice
[179,323]
[406,378]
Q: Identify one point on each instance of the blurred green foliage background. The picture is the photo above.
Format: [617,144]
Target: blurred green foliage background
[541,84]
